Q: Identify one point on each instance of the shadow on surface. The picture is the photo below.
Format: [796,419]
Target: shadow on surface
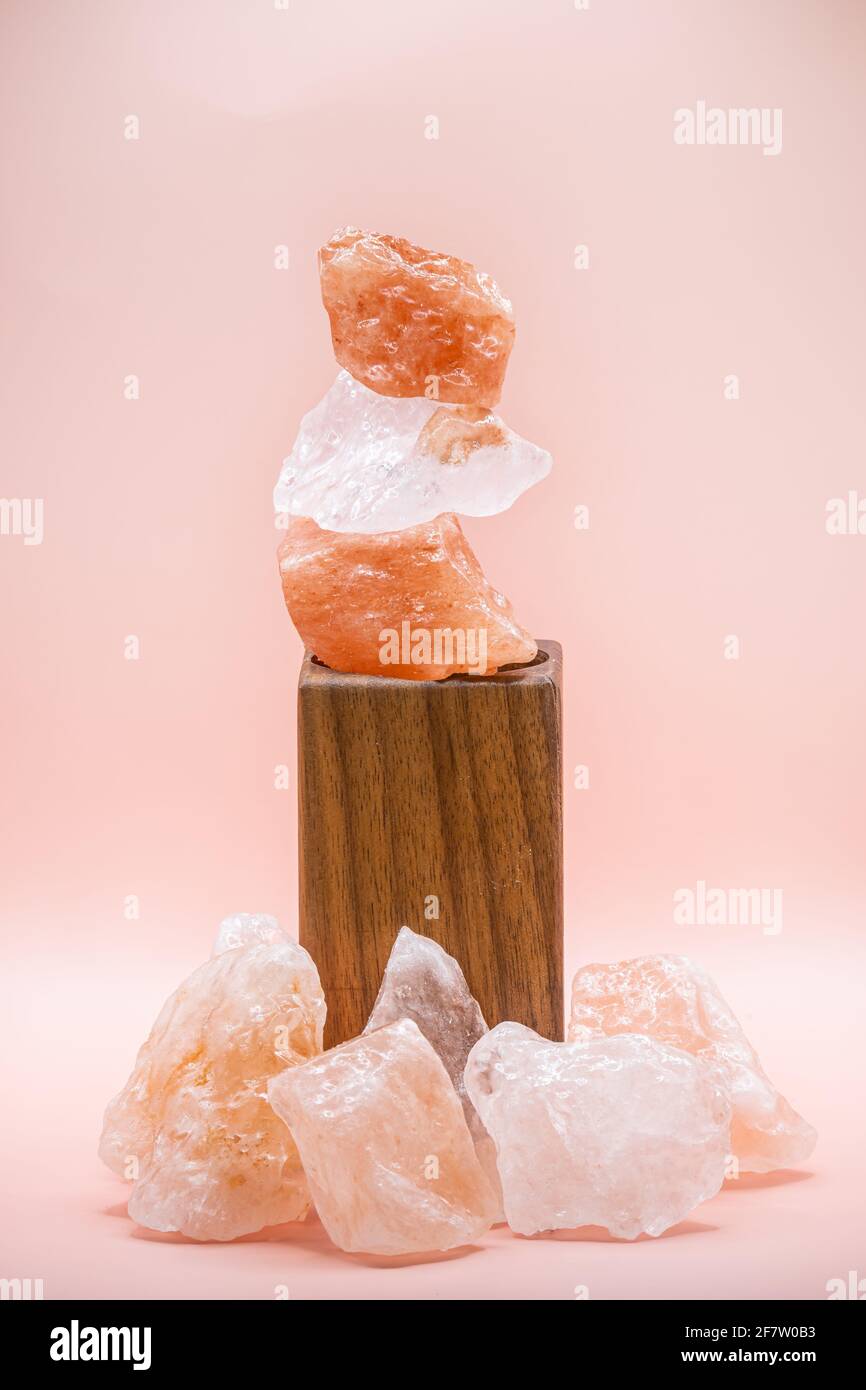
[296,1232]
[780,1178]
[309,1235]
[601,1236]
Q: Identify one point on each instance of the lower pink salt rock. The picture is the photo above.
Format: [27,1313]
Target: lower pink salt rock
[626,1133]
[385,1147]
[411,603]
[670,998]
[192,1127]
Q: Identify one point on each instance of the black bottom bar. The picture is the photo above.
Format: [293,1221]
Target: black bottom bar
[256,1338]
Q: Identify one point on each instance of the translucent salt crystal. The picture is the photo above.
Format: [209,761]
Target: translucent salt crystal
[365,463]
[670,998]
[625,1132]
[389,1159]
[192,1127]
[405,320]
[411,603]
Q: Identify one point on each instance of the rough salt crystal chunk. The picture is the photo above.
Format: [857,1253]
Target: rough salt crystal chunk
[388,1157]
[410,603]
[625,1133]
[365,463]
[247,929]
[192,1126]
[672,999]
[410,322]
[424,983]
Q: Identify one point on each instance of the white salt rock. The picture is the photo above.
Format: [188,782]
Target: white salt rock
[624,1132]
[366,463]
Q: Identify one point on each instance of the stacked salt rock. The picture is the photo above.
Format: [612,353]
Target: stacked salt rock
[405,438]
[417,1135]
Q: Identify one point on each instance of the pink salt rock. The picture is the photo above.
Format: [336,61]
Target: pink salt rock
[385,1147]
[192,1126]
[410,603]
[422,982]
[625,1133]
[671,999]
[247,929]
[411,322]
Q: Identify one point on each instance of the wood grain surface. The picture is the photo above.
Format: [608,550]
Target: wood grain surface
[425,797]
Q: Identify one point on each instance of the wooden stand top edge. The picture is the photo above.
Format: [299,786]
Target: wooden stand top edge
[546,667]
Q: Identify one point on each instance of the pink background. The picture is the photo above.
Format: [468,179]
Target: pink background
[156,777]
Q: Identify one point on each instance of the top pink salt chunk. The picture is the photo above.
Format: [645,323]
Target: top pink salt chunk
[410,322]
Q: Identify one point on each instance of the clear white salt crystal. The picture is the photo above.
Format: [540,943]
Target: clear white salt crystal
[624,1132]
[367,463]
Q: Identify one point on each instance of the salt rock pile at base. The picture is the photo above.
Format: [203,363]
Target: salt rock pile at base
[384,1143]
[192,1127]
[413,1137]
[673,1000]
[404,439]
[369,603]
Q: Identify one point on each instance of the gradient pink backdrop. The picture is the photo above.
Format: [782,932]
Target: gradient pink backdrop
[155,777]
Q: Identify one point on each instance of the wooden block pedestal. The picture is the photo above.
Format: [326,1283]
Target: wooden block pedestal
[435,805]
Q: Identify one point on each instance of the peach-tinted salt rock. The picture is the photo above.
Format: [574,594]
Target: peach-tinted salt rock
[626,1133]
[670,998]
[192,1127]
[380,1129]
[422,982]
[412,322]
[410,603]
